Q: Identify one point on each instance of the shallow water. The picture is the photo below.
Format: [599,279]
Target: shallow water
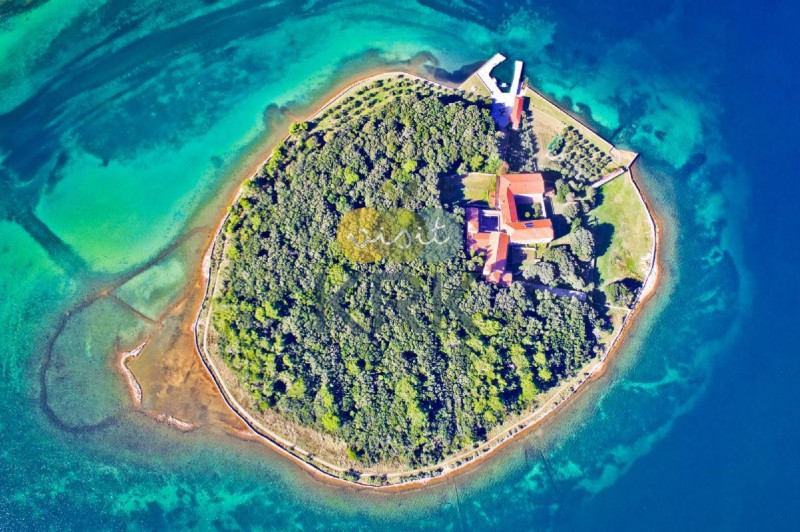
[126,125]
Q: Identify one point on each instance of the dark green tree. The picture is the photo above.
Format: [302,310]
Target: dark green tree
[582,243]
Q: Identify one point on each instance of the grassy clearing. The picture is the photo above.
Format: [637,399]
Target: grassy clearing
[622,231]
[473,188]
[546,128]
[477,187]
[474,85]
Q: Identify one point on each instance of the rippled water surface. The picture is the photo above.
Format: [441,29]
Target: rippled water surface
[126,126]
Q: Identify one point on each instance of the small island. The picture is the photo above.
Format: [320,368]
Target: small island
[338,333]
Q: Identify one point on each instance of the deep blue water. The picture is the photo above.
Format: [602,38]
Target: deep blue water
[731,462]
[119,121]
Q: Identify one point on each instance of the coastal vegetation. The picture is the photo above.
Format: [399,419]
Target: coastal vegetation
[407,363]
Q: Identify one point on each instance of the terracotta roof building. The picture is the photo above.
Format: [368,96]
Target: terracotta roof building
[516,112]
[497,255]
[511,230]
[472,219]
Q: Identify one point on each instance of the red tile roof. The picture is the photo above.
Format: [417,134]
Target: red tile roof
[516,111]
[494,277]
[510,185]
[497,253]
[477,242]
[472,218]
[500,278]
[507,206]
[531,231]
[521,184]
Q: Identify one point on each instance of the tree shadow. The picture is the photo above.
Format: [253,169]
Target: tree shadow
[561,225]
[599,297]
[550,177]
[448,98]
[526,208]
[522,146]
[603,234]
[451,189]
[631,284]
[599,197]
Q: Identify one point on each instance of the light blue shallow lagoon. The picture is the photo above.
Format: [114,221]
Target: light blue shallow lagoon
[126,125]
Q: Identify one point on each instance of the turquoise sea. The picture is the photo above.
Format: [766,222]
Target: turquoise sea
[125,126]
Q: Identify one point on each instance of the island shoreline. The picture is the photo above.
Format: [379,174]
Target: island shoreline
[470,457]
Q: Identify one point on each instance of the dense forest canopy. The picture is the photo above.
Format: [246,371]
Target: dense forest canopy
[405,361]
